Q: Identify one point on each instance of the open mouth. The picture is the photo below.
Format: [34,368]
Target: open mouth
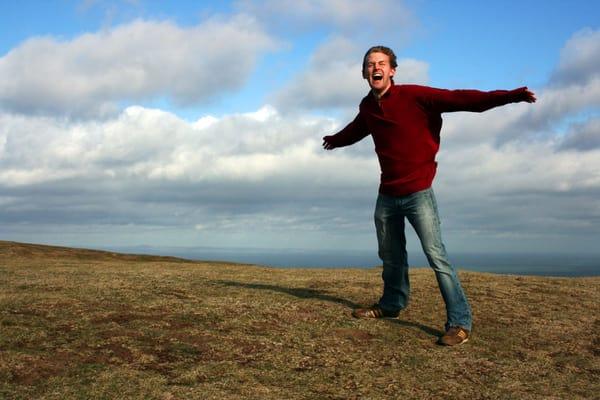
[377,76]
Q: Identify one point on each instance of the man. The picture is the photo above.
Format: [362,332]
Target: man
[405,123]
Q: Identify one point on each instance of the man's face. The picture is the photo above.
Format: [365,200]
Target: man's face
[379,72]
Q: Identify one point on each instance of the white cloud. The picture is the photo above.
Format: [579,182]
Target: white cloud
[556,103]
[344,15]
[528,189]
[150,169]
[333,79]
[151,145]
[579,59]
[412,71]
[555,107]
[88,75]
[583,136]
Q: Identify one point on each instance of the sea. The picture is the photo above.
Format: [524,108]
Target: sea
[563,265]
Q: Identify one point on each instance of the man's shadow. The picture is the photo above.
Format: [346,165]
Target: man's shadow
[307,293]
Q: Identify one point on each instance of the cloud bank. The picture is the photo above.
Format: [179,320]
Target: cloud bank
[89,75]
[521,177]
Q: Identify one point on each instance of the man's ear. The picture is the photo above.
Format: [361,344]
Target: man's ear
[392,72]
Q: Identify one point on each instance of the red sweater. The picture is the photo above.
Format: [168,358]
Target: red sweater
[405,125]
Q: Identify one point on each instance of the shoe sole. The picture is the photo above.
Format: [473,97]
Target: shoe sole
[365,317]
[452,345]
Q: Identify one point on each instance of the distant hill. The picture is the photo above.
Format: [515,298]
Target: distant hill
[16,249]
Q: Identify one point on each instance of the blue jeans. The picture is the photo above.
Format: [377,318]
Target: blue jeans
[421,211]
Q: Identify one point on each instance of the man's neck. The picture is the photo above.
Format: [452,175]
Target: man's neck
[379,95]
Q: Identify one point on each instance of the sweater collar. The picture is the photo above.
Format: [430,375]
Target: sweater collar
[385,95]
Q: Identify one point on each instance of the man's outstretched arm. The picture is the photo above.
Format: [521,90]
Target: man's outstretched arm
[351,134]
[444,100]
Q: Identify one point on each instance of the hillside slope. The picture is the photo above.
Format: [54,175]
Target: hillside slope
[83,324]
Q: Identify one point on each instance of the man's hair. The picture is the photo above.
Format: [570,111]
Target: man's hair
[379,49]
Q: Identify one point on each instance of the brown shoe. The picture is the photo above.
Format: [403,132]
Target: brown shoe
[373,312]
[454,335]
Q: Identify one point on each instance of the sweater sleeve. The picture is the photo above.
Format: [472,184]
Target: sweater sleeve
[443,100]
[352,133]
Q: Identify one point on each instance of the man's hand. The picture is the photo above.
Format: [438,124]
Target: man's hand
[526,95]
[327,145]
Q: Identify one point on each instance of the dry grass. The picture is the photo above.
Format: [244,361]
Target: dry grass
[79,324]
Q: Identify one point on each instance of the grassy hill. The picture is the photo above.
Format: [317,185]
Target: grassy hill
[82,324]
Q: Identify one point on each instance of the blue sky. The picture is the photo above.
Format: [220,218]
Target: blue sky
[190,123]
[486,44]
